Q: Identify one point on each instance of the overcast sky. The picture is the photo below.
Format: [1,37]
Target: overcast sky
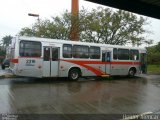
[14,14]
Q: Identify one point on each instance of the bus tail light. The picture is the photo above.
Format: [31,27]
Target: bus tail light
[15,61]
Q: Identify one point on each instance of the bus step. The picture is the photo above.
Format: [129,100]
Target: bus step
[104,75]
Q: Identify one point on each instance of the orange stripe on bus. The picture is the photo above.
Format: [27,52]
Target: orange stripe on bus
[14,60]
[98,72]
[100,62]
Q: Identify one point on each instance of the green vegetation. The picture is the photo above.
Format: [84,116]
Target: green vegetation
[154,59]
[5,42]
[99,25]
[154,54]
[154,69]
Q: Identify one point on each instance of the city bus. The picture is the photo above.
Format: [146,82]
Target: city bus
[43,57]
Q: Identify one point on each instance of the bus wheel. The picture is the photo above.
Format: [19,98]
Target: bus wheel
[132,72]
[74,74]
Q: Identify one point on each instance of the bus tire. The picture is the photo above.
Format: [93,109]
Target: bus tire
[74,74]
[132,72]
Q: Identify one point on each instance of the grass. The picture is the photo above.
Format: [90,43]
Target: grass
[153,69]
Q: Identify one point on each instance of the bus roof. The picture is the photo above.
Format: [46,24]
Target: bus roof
[59,41]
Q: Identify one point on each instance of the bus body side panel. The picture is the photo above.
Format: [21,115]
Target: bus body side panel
[123,67]
[92,70]
[99,69]
[66,66]
[86,69]
[13,67]
[14,55]
[31,67]
[119,69]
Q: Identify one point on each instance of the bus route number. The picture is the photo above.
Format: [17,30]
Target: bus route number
[30,62]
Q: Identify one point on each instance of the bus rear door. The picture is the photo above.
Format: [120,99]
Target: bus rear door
[50,61]
[106,59]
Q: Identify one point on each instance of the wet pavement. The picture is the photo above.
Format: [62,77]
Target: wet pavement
[86,96]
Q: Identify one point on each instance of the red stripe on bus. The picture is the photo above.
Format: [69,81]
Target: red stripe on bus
[98,72]
[14,60]
[100,62]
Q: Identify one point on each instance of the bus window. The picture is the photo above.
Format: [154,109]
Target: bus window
[54,54]
[106,56]
[94,52]
[115,53]
[67,51]
[103,56]
[123,54]
[46,53]
[80,51]
[134,54]
[30,49]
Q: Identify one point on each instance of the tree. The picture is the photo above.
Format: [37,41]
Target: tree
[6,41]
[113,27]
[153,54]
[100,25]
[58,28]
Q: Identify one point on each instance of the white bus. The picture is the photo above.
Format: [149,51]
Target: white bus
[41,57]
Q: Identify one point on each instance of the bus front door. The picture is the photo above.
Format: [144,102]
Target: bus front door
[106,59]
[50,61]
[143,63]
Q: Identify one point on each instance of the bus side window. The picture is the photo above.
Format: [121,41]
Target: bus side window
[135,57]
[134,54]
[54,54]
[46,54]
[108,56]
[30,49]
[67,51]
[115,53]
[103,57]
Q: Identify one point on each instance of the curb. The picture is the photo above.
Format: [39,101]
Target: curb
[7,76]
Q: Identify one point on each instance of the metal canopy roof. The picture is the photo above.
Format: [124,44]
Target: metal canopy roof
[149,8]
